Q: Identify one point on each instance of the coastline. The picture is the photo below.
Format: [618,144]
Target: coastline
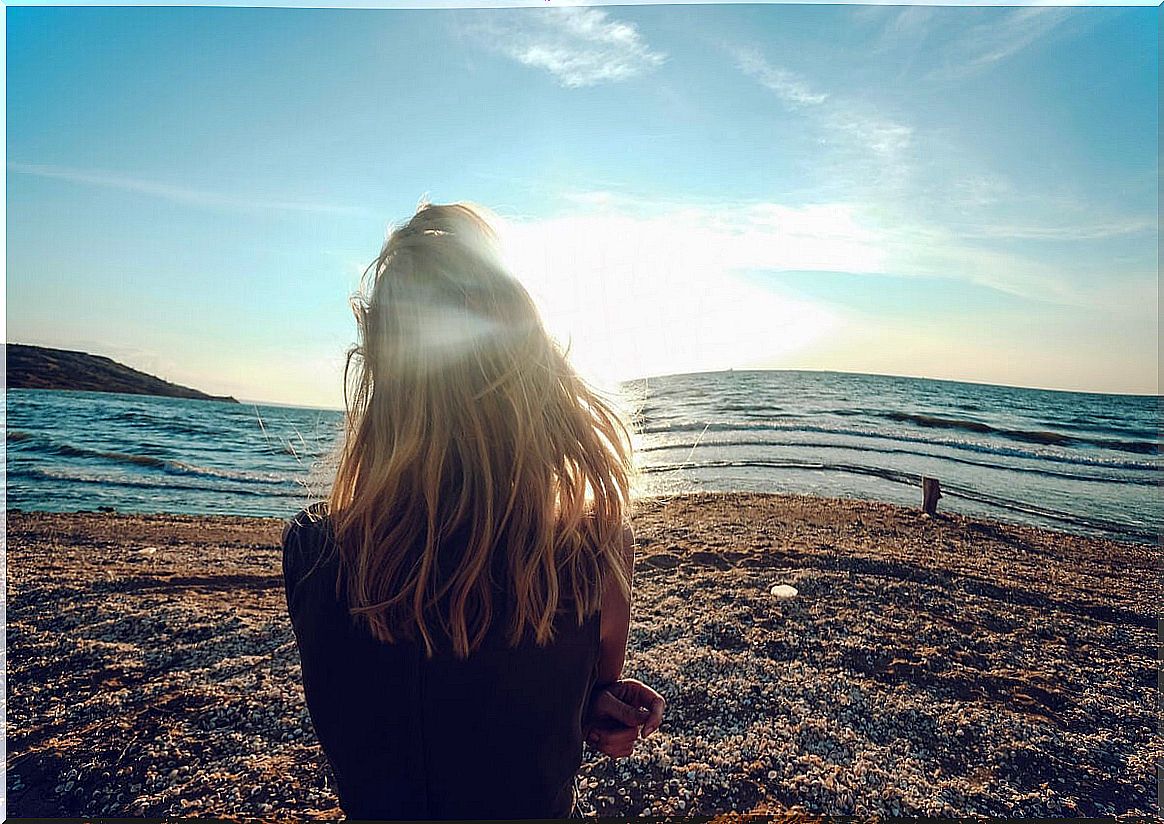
[927,667]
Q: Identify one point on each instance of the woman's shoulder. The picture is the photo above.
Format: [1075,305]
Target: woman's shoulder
[307,540]
[312,519]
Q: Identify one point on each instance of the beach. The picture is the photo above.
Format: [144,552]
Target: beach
[947,666]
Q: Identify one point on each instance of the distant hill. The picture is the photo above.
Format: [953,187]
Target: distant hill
[38,367]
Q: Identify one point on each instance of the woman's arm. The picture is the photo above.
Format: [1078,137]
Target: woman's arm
[620,709]
[615,624]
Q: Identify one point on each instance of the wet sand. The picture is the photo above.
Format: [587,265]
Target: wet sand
[927,667]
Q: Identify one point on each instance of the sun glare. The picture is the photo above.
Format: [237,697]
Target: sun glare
[634,298]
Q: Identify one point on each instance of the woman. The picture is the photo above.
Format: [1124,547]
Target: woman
[461,603]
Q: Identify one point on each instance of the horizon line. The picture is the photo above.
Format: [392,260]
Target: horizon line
[621,382]
[1155,394]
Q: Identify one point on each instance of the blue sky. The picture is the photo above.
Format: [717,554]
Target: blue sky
[962,193]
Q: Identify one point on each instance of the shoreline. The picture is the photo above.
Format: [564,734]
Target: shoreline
[642,502]
[944,666]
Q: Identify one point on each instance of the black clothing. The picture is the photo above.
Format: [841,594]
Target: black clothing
[495,735]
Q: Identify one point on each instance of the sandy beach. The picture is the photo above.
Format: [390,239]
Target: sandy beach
[926,667]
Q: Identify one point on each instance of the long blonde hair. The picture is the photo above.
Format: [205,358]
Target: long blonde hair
[465,418]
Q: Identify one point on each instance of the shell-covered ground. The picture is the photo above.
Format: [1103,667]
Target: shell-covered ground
[927,667]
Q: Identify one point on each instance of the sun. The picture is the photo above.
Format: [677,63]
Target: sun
[631,303]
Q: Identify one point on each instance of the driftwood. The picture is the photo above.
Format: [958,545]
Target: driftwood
[931,491]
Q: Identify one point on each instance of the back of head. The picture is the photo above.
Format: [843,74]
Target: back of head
[465,418]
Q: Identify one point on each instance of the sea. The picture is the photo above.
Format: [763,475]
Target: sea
[1078,462]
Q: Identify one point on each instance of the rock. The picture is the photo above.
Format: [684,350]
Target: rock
[783,591]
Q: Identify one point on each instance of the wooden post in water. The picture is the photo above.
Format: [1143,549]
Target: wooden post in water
[931,491]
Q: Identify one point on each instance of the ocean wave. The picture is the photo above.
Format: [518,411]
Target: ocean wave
[913,479]
[1071,518]
[1052,473]
[116,457]
[894,475]
[1027,435]
[167,423]
[1089,424]
[242,475]
[45,445]
[751,408]
[973,446]
[59,475]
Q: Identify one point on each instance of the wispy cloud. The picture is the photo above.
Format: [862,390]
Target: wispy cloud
[927,210]
[911,24]
[851,236]
[578,46]
[202,198]
[848,124]
[966,49]
[926,249]
[1065,231]
[965,40]
[788,87]
[1007,35]
[988,205]
[881,135]
[899,30]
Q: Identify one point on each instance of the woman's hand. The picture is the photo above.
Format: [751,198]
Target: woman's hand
[647,703]
[619,713]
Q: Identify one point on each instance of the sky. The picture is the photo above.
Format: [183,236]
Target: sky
[947,192]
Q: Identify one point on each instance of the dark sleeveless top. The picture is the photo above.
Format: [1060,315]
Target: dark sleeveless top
[494,735]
